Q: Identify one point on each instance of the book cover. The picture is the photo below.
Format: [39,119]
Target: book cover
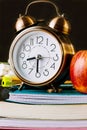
[42,125]
[46,112]
[40,96]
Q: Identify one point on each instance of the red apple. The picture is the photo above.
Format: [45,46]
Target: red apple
[78,71]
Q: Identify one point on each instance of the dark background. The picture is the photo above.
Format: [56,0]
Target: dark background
[75,11]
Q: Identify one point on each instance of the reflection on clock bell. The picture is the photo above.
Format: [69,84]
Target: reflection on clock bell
[23,22]
[60,24]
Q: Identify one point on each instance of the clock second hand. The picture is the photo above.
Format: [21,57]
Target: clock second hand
[38,57]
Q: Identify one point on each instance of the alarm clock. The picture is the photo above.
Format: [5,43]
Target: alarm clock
[41,52]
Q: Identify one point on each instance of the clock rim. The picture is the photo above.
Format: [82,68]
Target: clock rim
[64,53]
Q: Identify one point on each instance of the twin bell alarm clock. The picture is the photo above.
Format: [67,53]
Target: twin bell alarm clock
[41,52]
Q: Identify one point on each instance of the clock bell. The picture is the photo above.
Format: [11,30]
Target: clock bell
[58,23]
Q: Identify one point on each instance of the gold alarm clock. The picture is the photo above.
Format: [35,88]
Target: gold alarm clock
[41,52]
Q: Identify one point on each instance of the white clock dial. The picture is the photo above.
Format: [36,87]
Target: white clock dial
[36,55]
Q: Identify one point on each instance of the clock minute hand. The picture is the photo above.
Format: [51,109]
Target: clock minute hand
[37,62]
[37,65]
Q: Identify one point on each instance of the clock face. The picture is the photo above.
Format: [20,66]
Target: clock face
[36,56]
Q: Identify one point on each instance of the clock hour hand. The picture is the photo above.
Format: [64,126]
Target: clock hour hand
[31,58]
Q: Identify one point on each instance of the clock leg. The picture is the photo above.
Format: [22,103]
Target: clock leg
[54,89]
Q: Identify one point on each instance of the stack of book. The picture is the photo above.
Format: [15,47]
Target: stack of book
[38,109]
